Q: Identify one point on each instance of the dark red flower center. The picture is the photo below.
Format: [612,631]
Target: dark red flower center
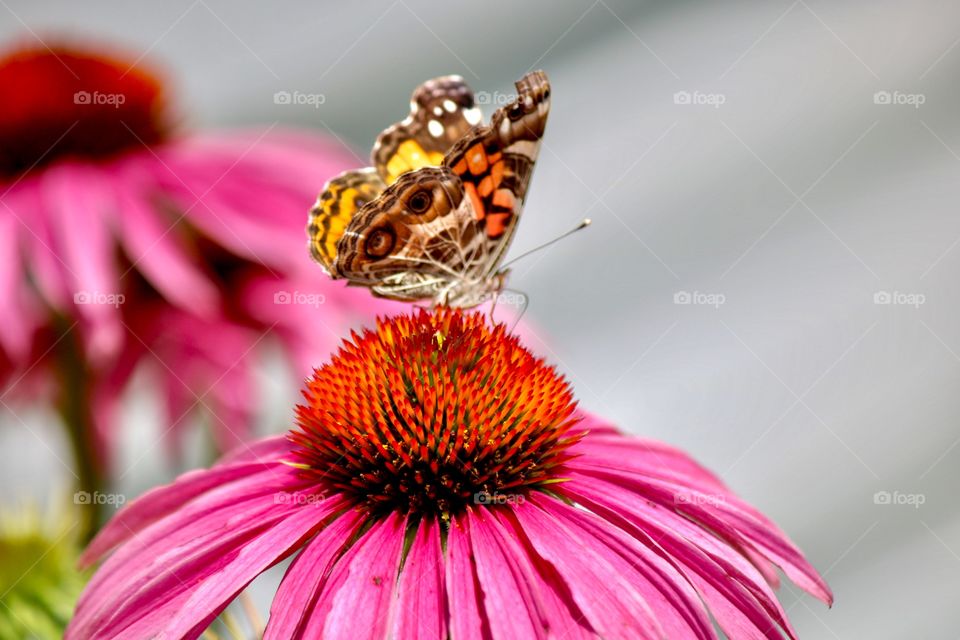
[432,412]
[66,102]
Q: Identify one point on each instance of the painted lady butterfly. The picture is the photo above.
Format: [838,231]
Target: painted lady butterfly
[432,219]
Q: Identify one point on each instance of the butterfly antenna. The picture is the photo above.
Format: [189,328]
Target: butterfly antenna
[583,225]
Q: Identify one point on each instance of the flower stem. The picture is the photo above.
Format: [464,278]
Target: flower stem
[74,405]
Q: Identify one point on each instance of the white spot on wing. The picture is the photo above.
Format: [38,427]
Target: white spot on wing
[473,116]
[449,105]
[435,128]
[437,111]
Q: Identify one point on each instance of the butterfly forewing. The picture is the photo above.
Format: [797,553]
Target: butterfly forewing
[495,163]
[442,111]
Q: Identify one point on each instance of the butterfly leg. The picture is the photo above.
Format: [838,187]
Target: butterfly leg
[494,298]
[523,308]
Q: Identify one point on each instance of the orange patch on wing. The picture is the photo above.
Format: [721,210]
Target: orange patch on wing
[478,209]
[460,168]
[486,186]
[497,224]
[477,159]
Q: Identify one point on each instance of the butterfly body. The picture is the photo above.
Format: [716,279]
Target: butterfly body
[434,217]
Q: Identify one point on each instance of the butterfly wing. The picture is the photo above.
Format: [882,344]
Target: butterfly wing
[442,111]
[438,231]
[342,197]
[495,164]
[408,244]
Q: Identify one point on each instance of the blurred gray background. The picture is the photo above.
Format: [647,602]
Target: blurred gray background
[734,156]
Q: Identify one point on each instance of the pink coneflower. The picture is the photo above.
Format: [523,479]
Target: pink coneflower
[442,484]
[124,239]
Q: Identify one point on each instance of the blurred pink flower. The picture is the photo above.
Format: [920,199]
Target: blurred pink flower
[442,484]
[123,239]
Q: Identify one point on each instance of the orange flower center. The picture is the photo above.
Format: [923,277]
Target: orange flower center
[66,102]
[432,412]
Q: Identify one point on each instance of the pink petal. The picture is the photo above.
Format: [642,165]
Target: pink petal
[641,455]
[78,201]
[190,577]
[299,159]
[659,460]
[299,590]
[467,618]
[155,251]
[670,597]
[225,572]
[216,512]
[15,327]
[263,451]
[510,603]
[260,241]
[162,501]
[421,600]
[735,593]
[564,618]
[40,249]
[356,600]
[593,574]
[731,518]
[251,187]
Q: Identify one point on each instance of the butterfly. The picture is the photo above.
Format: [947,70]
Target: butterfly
[433,217]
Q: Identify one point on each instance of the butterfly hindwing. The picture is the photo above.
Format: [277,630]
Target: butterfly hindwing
[407,244]
[340,200]
[442,111]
